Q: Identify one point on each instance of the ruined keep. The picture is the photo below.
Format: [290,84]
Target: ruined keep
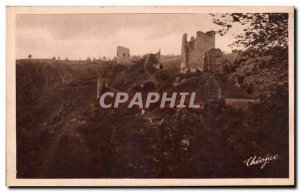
[123,55]
[193,51]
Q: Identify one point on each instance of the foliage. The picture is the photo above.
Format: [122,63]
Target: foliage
[74,138]
[264,41]
[261,31]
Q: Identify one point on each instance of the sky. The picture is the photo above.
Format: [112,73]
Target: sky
[97,35]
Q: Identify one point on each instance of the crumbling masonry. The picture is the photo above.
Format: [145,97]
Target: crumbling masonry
[123,55]
[193,51]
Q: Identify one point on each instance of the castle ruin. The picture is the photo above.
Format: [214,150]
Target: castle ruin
[193,51]
[123,55]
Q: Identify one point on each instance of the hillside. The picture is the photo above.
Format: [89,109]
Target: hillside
[62,133]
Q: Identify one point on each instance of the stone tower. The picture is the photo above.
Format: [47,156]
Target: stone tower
[193,51]
[123,55]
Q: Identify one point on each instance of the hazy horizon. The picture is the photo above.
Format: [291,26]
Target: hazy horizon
[98,35]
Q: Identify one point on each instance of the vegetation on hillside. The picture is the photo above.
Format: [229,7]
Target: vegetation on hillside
[63,133]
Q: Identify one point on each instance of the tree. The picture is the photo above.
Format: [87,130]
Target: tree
[261,31]
[264,41]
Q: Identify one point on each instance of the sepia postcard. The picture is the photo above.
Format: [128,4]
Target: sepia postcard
[150,96]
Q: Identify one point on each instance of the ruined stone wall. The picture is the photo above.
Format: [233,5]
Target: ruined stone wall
[123,55]
[184,55]
[213,61]
[193,51]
